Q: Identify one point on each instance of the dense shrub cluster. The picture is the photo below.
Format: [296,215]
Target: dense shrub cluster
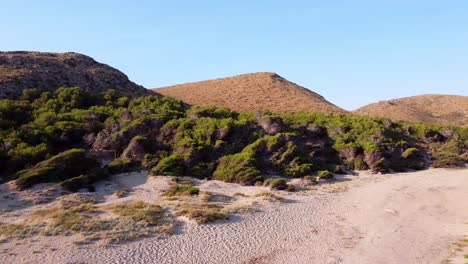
[60,136]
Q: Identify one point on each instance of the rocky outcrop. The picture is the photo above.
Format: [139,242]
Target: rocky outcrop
[21,70]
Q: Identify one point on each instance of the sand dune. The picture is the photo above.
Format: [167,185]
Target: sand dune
[400,218]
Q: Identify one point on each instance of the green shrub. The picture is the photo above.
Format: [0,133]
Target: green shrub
[123,165]
[85,181]
[66,165]
[409,152]
[276,183]
[170,166]
[359,164]
[325,175]
[239,168]
[178,190]
[298,170]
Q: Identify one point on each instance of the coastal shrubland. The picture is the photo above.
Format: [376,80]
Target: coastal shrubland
[61,136]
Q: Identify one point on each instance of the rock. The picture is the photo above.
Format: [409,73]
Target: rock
[21,70]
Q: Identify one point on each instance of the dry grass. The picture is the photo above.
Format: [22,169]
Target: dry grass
[202,213]
[270,196]
[108,224]
[436,109]
[250,93]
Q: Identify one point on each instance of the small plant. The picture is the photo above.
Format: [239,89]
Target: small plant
[325,174]
[123,165]
[276,183]
[182,190]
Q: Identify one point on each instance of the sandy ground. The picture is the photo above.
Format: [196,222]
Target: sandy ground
[399,218]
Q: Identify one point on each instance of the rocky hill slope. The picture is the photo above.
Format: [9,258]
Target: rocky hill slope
[251,92]
[21,70]
[430,108]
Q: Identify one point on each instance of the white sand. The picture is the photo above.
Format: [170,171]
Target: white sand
[399,218]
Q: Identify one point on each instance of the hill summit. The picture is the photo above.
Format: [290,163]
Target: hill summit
[21,70]
[263,91]
[429,108]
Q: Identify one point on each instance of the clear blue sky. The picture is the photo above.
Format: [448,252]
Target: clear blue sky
[351,52]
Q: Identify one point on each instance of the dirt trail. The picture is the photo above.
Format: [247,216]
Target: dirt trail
[399,218]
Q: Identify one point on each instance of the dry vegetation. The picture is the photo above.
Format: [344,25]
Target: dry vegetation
[436,109]
[250,93]
[80,215]
[91,219]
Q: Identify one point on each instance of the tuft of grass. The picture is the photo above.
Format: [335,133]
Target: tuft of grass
[202,213]
[270,196]
[140,211]
[182,190]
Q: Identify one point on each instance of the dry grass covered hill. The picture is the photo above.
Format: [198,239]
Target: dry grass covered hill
[251,92]
[430,108]
[48,71]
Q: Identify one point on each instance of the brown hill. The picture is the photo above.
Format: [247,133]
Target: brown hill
[47,71]
[430,108]
[251,92]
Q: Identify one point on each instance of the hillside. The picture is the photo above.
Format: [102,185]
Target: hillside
[21,70]
[430,108]
[251,92]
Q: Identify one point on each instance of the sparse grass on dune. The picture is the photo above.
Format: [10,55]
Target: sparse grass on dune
[202,213]
[110,223]
[270,196]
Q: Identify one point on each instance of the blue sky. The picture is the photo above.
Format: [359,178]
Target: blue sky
[351,52]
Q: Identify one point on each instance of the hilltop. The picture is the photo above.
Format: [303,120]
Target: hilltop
[263,91]
[21,70]
[429,108]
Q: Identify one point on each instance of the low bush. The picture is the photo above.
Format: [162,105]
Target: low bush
[178,190]
[123,165]
[276,183]
[325,175]
[170,166]
[239,168]
[66,165]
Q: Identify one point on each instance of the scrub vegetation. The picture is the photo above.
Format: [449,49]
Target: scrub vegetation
[59,137]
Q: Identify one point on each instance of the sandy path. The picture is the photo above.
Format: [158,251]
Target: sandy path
[400,218]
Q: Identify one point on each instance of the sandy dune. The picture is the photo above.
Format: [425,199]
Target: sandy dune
[399,218]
